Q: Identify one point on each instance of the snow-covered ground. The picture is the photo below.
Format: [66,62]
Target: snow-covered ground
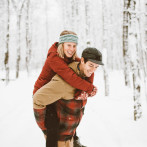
[108,121]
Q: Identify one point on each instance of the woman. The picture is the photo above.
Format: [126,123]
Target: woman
[58,58]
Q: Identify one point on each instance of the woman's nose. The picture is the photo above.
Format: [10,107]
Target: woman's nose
[72,48]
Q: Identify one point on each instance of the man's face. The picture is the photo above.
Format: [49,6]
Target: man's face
[88,68]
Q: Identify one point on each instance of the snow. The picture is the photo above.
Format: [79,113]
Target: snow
[107,122]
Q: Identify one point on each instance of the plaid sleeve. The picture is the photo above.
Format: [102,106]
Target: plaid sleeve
[40,118]
[78,92]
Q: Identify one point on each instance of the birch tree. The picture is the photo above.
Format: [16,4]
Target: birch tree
[67,11]
[105,47]
[142,21]
[125,42]
[145,39]
[47,32]
[6,60]
[70,14]
[144,52]
[135,58]
[146,43]
[73,14]
[18,9]
[28,36]
[82,25]
[87,25]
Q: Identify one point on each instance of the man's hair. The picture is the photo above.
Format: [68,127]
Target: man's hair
[85,60]
[60,47]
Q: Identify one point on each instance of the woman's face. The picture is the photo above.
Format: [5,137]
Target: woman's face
[69,49]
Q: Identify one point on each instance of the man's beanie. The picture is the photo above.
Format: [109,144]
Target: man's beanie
[93,55]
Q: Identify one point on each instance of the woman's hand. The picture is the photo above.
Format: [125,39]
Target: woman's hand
[82,96]
[94,91]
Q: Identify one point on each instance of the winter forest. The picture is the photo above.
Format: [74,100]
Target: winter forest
[118,28]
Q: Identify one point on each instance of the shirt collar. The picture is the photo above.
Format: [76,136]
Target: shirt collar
[81,74]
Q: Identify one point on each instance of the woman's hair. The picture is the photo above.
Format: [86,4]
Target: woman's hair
[65,32]
[60,47]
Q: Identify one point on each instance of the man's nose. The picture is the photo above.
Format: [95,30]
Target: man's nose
[93,69]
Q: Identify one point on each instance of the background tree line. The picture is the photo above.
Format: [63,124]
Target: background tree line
[117,28]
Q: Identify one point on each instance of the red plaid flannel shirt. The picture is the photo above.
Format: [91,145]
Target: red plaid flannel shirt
[40,118]
[40,113]
[70,113]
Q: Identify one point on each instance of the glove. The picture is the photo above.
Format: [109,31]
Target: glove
[94,91]
[82,96]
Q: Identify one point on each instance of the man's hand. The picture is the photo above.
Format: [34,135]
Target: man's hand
[94,91]
[82,96]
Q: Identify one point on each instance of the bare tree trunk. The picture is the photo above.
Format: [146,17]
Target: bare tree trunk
[82,22]
[105,48]
[145,61]
[6,60]
[65,21]
[87,14]
[146,23]
[67,13]
[125,42]
[133,35]
[18,47]
[28,37]
[145,39]
[142,21]
[47,33]
[19,14]
[74,15]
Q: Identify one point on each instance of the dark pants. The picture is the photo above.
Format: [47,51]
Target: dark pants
[52,125]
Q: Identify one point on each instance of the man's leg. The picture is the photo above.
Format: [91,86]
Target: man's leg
[77,139]
[52,125]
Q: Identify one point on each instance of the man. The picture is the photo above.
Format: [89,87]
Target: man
[69,110]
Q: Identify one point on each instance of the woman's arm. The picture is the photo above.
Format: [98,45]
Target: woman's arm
[59,66]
